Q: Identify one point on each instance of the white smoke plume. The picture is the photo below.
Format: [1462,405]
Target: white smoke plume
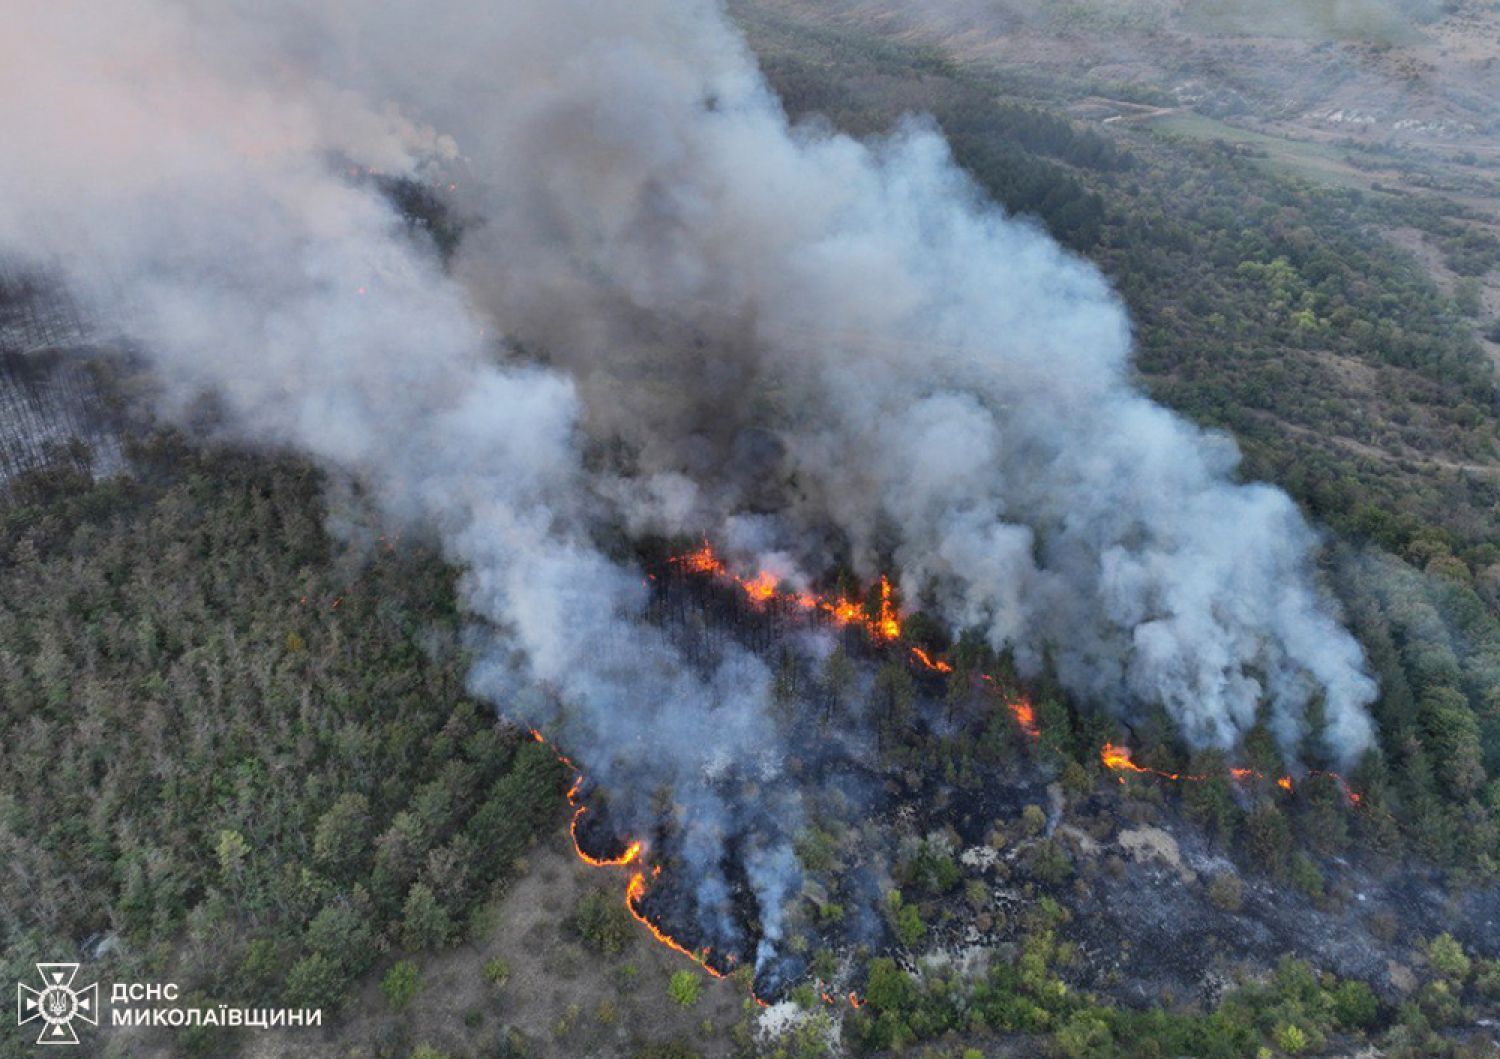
[792,333]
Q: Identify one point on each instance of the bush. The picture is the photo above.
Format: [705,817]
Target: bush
[1306,875]
[684,988]
[401,984]
[1290,1038]
[496,972]
[909,926]
[1354,1005]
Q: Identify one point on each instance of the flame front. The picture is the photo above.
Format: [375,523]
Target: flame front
[635,889]
[764,587]
[635,893]
[1118,759]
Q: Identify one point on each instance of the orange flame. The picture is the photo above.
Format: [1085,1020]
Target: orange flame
[635,890]
[765,588]
[887,626]
[632,852]
[1118,759]
[1025,715]
[937,665]
[635,893]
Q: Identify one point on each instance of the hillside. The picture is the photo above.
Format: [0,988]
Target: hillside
[259,741]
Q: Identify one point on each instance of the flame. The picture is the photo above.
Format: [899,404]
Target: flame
[937,665]
[887,626]
[855,1002]
[765,588]
[632,852]
[884,628]
[635,893]
[1118,759]
[635,889]
[761,587]
[1025,715]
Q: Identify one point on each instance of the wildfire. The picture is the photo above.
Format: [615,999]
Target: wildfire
[764,588]
[887,626]
[1118,759]
[635,889]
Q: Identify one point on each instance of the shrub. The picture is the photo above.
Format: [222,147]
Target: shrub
[1226,892]
[401,984]
[684,988]
[496,972]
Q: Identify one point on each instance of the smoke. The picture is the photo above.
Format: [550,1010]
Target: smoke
[806,345]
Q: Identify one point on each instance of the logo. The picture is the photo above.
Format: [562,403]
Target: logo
[57,1003]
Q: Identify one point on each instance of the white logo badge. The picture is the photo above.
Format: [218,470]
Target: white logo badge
[57,1003]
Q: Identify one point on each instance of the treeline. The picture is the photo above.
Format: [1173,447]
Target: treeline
[236,757]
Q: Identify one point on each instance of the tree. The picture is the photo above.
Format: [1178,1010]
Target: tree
[1448,958]
[342,931]
[601,923]
[684,987]
[1452,732]
[315,981]
[1268,838]
[425,924]
[231,849]
[838,685]
[1085,1036]
[909,926]
[342,835]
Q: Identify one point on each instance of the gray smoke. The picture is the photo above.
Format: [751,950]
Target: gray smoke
[791,332]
